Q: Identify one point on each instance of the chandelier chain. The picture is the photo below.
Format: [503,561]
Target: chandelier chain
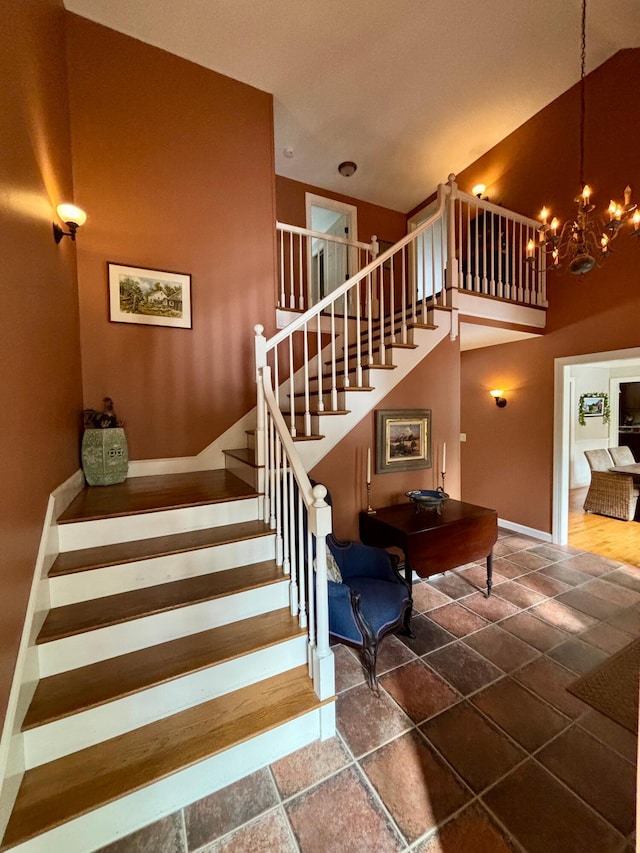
[583,53]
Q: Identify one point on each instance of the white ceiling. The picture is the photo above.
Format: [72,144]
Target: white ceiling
[411,90]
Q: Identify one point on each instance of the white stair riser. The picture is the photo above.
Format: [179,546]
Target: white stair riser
[97,583]
[102,643]
[98,828]
[61,737]
[109,531]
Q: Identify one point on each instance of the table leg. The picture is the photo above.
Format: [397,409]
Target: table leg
[406,628]
[489,573]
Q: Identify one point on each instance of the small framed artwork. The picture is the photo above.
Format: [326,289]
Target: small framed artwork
[403,439]
[149,297]
[594,405]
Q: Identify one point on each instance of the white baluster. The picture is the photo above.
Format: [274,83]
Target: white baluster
[282,302]
[292,294]
[286,542]
[292,392]
[334,389]
[293,563]
[307,403]
[319,366]
[278,496]
[302,594]
[301,293]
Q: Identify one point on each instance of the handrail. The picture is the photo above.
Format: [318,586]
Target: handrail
[320,235]
[484,204]
[297,512]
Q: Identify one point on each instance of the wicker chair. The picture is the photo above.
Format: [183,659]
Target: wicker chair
[609,493]
[622,455]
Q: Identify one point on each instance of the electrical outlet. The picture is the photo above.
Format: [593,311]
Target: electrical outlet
[463,436]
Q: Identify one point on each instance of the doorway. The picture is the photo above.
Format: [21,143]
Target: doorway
[330,263]
[623,365]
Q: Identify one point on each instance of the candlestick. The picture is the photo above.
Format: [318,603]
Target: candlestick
[368,466]
[444,456]
[370,510]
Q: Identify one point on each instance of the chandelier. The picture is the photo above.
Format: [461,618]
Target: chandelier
[584,242]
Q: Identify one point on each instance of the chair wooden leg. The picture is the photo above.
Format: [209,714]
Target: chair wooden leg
[370,652]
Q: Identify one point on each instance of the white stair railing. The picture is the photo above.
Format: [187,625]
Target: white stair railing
[491,243]
[466,244]
[301,519]
[311,262]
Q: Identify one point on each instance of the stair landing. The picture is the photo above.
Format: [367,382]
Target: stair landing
[152,494]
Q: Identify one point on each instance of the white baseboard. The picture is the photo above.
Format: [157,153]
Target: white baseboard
[209,459]
[26,673]
[527,531]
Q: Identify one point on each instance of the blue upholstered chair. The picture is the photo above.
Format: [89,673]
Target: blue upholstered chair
[370,601]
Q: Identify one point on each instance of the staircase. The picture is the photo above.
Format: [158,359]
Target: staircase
[170,663]
[186,644]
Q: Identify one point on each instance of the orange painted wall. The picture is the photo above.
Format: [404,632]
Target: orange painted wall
[386,224]
[433,384]
[506,461]
[39,329]
[174,164]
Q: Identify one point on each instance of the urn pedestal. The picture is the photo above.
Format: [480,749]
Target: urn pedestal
[105,456]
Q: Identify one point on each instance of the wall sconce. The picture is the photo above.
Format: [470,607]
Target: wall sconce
[497,396]
[73,217]
[478,190]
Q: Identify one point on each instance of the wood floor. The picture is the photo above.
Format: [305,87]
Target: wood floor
[618,540]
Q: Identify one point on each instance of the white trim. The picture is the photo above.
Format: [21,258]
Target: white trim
[26,672]
[522,528]
[561,421]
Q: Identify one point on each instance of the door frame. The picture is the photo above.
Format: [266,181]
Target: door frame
[562,427]
[350,210]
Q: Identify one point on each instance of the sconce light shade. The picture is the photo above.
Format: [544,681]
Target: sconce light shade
[73,217]
[497,396]
[478,190]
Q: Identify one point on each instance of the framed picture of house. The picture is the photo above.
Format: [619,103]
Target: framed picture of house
[403,439]
[149,297]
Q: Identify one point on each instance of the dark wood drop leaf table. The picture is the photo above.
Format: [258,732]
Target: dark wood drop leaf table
[434,541]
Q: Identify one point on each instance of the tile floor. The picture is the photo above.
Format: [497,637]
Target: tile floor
[474,745]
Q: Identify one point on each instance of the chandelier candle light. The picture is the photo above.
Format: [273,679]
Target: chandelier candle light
[586,241]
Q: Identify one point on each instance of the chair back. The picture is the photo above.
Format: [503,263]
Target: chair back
[622,455]
[599,460]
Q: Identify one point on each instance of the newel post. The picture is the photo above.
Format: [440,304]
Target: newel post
[320,526]
[452,261]
[260,344]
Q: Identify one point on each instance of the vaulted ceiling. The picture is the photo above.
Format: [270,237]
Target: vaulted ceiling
[410,90]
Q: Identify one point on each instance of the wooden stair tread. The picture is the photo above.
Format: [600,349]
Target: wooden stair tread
[316,413]
[151,494]
[326,391]
[160,546]
[244,454]
[96,613]
[307,437]
[61,790]
[76,690]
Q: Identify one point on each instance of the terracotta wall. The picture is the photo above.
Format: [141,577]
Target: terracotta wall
[386,224]
[433,384]
[39,332]
[174,165]
[506,461]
